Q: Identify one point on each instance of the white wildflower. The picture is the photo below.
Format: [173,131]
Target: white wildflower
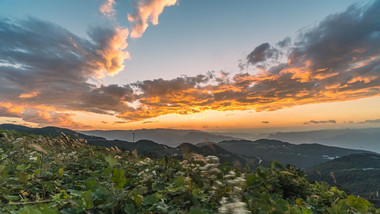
[18,140]
[219,183]
[234,207]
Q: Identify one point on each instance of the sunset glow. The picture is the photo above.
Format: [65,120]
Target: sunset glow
[325,75]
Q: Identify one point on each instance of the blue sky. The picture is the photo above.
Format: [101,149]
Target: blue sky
[193,37]
[66,63]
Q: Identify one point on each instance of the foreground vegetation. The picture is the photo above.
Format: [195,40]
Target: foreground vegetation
[357,173]
[63,175]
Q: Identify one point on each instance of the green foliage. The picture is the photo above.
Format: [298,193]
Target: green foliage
[118,178]
[358,173]
[41,175]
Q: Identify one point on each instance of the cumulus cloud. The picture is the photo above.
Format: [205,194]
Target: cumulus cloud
[107,8]
[48,118]
[284,43]
[336,60]
[42,64]
[9,110]
[146,11]
[6,112]
[42,115]
[320,121]
[261,53]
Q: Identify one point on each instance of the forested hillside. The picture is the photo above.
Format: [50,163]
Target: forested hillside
[40,174]
[357,173]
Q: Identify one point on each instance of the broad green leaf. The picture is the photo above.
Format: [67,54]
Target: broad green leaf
[12,197]
[306,211]
[30,210]
[195,210]
[23,167]
[358,203]
[90,183]
[130,208]
[2,167]
[118,178]
[60,172]
[111,161]
[151,199]
[87,199]
[180,181]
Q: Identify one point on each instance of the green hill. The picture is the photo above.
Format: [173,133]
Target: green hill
[359,174]
[48,175]
[142,147]
[302,155]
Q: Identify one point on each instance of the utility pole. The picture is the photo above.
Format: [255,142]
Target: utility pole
[133,136]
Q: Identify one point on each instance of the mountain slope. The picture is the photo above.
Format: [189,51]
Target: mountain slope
[366,138]
[302,156]
[170,137]
[65,175]
[142,147]
[47,131]
[236,152]
[357,173]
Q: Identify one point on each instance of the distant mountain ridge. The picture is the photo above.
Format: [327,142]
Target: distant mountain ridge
[47,131]
[302,155]
[241,152]
[357,171]
[142,147]
[363,138]
[170,137]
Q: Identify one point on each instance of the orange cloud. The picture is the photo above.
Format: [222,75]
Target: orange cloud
[41,115]
[48,118]
[8,109]
[28,95]
[147,11]
[112,52]
[316,72]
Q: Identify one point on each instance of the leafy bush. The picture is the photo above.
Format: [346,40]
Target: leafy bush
[64,175]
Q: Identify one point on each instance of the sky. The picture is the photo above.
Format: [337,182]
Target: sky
[216,65]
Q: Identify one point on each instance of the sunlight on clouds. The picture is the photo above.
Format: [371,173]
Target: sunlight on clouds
[29,95]
[147,11]
[62,68]
[107,8]
[113,52]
